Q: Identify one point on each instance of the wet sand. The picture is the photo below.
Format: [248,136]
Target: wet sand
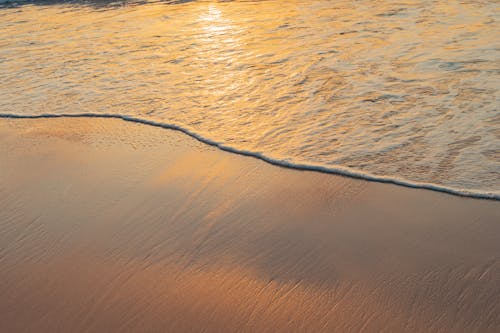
[110,226]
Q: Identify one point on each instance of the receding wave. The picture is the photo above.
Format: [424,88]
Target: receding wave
[401,92]
[337,170]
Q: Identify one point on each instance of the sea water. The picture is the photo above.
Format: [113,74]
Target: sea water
[400,91]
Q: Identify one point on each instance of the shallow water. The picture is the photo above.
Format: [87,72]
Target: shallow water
[405,90]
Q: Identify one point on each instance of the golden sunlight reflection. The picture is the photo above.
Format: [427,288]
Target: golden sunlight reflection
[326,83]
[213,20]
[218,46]
[124,227]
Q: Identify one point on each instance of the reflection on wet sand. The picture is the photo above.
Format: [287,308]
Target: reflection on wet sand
[124,227]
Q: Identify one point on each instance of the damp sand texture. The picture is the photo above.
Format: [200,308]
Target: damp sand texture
[108,225]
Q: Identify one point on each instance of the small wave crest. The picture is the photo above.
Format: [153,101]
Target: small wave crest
[337,170]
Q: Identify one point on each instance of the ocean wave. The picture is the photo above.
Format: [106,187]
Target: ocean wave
[337,170]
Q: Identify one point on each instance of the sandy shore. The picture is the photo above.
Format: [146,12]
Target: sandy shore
[110,226]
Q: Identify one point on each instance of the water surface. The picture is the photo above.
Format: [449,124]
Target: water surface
[402,90]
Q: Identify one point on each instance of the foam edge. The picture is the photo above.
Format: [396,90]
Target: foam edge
[286,164]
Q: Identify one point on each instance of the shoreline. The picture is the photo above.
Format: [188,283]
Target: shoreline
[108,225]
[338,170]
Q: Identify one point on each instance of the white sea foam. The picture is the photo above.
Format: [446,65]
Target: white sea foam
[398,92]
[339,170]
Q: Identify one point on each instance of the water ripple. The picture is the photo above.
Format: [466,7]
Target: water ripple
[404,90]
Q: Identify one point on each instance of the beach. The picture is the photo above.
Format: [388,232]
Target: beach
[112,226]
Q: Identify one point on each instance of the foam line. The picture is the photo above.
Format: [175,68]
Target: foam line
[299,166]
